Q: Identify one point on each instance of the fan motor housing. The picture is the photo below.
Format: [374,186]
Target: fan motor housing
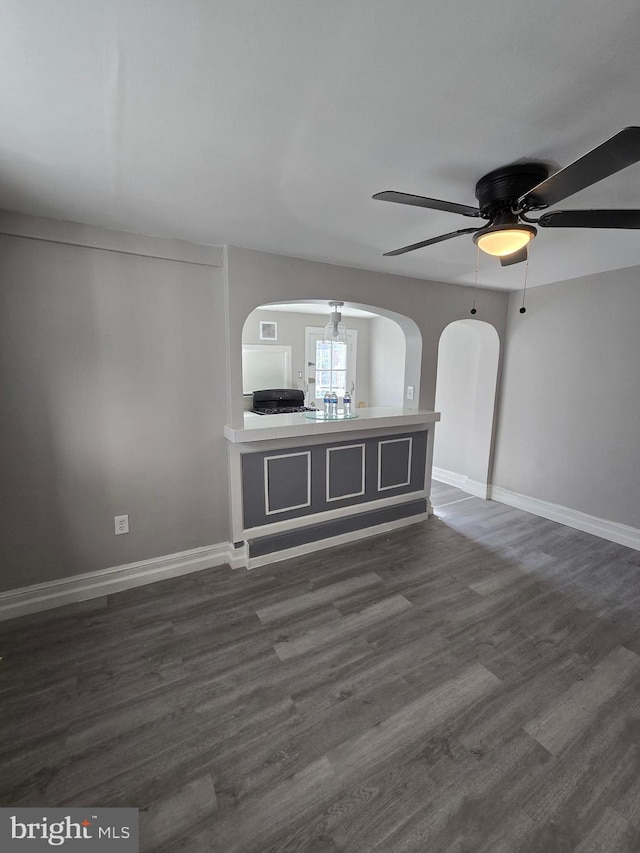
[502,187]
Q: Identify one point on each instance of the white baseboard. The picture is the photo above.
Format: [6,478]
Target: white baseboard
[602,527]
[461,481]
[353,536]
[57,593]
[238,557]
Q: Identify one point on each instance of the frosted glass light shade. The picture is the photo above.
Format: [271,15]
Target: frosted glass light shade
[504,241]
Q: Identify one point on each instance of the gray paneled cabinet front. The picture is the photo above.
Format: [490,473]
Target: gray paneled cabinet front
[295,482]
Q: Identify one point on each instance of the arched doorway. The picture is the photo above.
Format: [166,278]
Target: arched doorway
[467,374]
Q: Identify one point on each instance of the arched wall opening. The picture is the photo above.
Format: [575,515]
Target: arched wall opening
[388,352]
[467,372]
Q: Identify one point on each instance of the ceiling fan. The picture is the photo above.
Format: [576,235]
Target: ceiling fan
[507,195]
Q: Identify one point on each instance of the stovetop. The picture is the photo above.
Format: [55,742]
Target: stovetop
[282,410]
[278,401]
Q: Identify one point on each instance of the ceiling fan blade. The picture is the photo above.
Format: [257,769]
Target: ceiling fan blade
[591,219]
[516,258]
[423,201]
[615,154]
[429,242]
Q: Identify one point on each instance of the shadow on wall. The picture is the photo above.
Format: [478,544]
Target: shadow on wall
[467,374]
[385,350]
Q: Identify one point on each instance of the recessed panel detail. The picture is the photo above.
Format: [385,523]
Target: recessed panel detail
[394,463]
[345,472]
[287,482]
[280,485]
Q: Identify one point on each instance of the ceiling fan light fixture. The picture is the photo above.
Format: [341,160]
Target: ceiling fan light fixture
[503,240]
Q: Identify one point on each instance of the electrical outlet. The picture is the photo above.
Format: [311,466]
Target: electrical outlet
[122,524]
[410,392]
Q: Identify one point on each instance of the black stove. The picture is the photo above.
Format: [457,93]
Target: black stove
[281,410]
[279,401]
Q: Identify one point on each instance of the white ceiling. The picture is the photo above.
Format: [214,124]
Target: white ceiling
[271,124]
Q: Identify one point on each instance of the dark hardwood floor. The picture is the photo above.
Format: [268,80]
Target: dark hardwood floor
[471,683]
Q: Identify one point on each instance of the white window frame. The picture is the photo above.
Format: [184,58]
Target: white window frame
[312,333]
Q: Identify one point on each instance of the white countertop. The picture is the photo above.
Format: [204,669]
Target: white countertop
[268,427]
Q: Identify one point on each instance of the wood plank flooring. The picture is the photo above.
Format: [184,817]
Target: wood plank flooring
[471,683]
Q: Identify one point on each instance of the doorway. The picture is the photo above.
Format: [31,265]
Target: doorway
[467,373]
[330,367]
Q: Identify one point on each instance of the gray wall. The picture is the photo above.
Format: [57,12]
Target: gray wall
[117,370]
[256,278]
[112,369]
[569,420]
[388,350]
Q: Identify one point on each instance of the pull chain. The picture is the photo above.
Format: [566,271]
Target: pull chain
[475,282]
[524,289]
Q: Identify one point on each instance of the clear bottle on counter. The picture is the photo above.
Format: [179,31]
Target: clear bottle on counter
[346,403]
[334,405]
[327,404]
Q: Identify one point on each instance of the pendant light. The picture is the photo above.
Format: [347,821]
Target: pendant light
[334,331]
